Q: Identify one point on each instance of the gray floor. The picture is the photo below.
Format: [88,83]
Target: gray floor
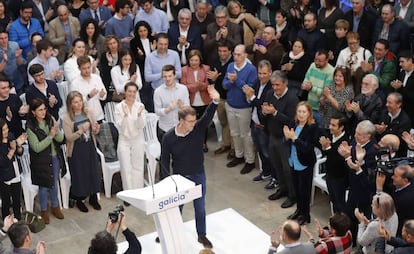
[226,187]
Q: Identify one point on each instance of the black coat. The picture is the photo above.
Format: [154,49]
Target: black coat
[365,28]
[32,93]
[305,144]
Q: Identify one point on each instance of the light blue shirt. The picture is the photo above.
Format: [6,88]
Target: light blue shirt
[154,64]
[10,70]
[51,65]
[293,158]
[157,19]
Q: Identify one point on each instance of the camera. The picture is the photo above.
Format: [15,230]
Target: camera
[386,164]
[114,215]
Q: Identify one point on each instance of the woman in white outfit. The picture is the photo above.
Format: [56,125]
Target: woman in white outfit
[126,71]
[130,121]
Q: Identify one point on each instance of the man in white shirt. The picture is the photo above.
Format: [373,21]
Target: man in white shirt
[91,87]
[168,99]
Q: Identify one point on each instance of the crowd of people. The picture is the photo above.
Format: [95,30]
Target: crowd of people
[288,80]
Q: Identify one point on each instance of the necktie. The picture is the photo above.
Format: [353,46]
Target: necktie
[96,16]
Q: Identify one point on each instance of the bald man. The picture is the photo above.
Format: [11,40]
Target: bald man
[62,31]
[290,238]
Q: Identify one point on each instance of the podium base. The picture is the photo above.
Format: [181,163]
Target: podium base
[228,231]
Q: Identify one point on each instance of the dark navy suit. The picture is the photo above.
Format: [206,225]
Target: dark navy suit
[104,14]
[193,37]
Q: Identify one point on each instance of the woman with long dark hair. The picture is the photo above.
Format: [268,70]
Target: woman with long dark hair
[80,128]
[141,46]
[94,40]
[303,137]
[46,157]
[10,186]
[125,72]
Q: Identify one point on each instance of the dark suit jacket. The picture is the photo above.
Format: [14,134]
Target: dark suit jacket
[398,35]
[305,144]
[193,37]
[409,16]
[32,93]
[46,5]
[408,95]
[398,125]
[365,28]
[104,13]
[257,102]
[136,44]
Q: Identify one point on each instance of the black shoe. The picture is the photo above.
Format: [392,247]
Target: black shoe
[288,203]
[205,242]
[126,204]
[277,195]
[260,177]
[236,161]
[72,203]
[205,148]
[95,205]
[81,205]
[303,219]
[248,167]
[294,215]
[231,155]
[157,239]
[272,184]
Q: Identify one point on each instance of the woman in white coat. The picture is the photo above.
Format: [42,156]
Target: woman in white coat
[130,121]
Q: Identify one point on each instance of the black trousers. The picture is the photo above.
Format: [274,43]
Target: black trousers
[302,181]
[10,196]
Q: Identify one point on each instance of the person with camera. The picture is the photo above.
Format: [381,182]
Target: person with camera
[402,193]
[404,245]
[104,241]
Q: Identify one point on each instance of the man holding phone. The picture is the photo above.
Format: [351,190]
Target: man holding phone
[267,48]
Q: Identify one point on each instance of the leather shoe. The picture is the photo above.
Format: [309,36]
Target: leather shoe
[205,242]
[248,167]
[231,155]
[303,219]
[81,205]
[157,239]
[222,149]
[288,203]
[294,215]
[236,161]
[205,148]
[277,195]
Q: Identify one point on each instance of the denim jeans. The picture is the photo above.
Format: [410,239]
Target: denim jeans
[261,141]
[199,203]
[43,191]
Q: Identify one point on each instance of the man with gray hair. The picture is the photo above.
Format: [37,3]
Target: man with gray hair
[361,21]
[220,31]
[367,105]
[279,109]
[183,36]
[361,161]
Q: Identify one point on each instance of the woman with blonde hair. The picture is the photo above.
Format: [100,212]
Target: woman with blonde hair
[80,127]
[303,137]
[251,27]
[383,209]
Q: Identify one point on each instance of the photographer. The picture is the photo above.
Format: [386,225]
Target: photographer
[388,148]
[104,242]
[402,193]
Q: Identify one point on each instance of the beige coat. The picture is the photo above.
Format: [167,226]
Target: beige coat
[248,36]
[57,35]
[71,135]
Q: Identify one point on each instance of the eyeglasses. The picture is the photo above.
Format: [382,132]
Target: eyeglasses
[353,42]
[221,17]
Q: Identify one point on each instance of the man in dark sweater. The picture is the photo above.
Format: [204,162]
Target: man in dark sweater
[336,171]
[184,146]
[279,108]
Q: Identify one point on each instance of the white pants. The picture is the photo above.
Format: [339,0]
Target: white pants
[239,123]
[131,158]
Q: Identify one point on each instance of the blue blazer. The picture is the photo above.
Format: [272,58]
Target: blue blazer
[193,37]
[104,13]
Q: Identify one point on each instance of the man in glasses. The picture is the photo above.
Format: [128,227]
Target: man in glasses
[220,31]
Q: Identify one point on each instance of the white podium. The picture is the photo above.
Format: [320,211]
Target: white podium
[163,203]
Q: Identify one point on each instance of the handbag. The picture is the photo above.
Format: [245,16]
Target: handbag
[118,97]
[35,222]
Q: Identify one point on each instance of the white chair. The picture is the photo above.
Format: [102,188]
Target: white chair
[218,127]
[319,177]
[108,170]
[109,111]
[29,190]
[152,146]
[63,92]
[65,183]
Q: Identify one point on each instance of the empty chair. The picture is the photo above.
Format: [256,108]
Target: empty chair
[109,110]
[152,146]
[29,190]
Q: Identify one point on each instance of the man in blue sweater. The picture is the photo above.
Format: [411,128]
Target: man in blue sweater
[240,73]
[184,145]
[121,23]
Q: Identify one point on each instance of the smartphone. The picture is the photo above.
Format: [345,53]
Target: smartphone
[260,42]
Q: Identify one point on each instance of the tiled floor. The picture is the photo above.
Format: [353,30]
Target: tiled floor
[226,188]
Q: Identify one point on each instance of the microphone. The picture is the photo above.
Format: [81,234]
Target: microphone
[152,182]
[165,173]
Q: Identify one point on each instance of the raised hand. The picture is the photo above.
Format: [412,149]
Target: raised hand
[214,95]
[9,112]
